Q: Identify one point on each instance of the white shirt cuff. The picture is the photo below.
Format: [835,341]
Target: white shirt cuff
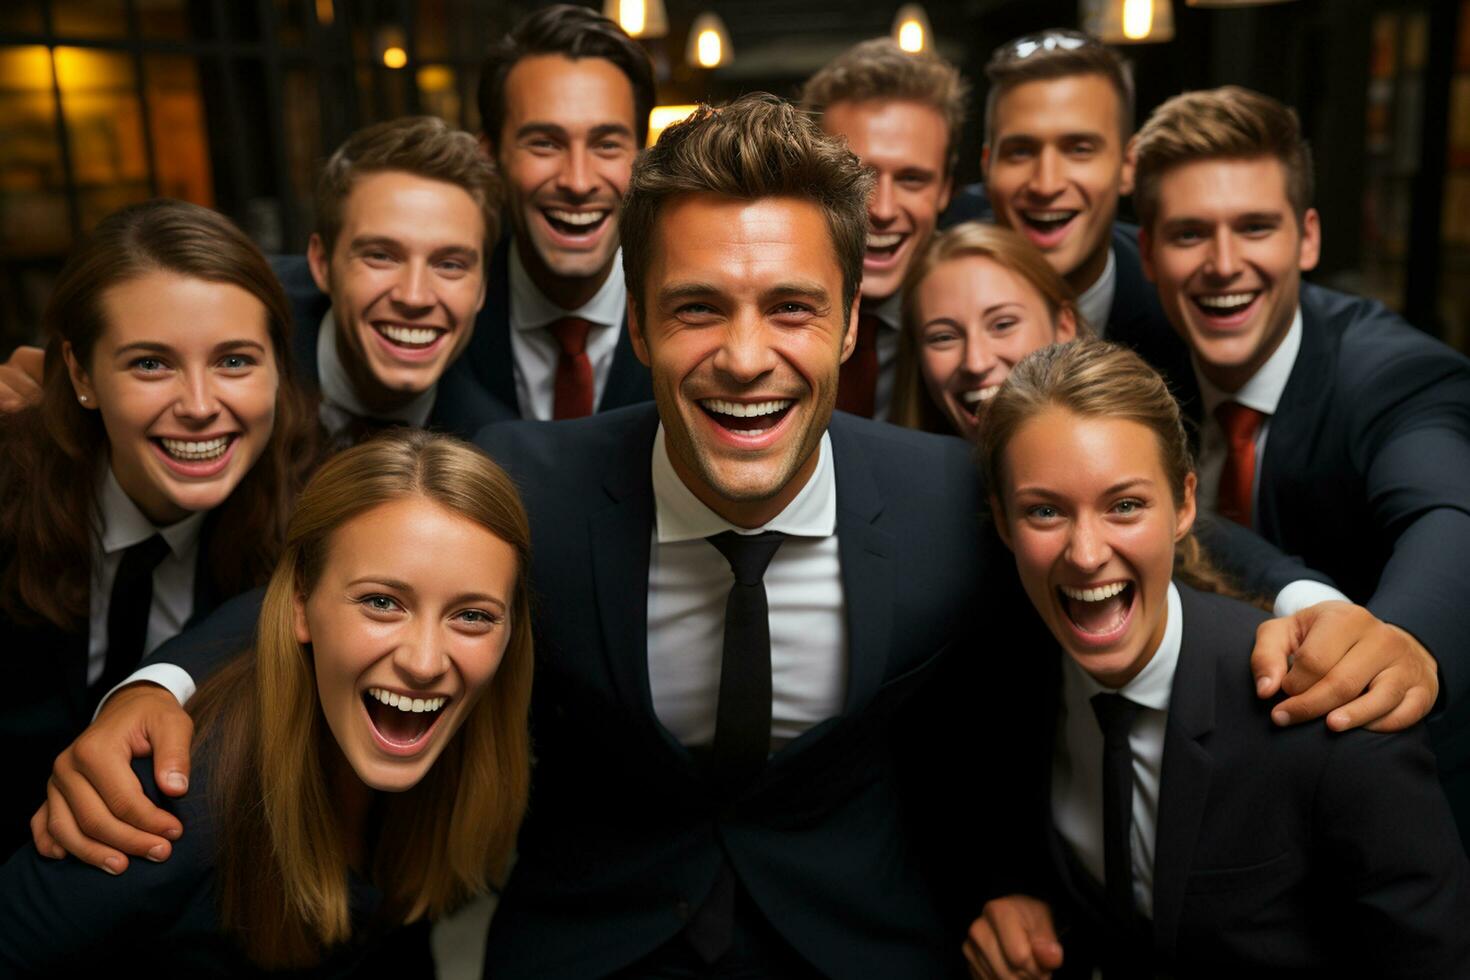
[1302,593]
[174,680]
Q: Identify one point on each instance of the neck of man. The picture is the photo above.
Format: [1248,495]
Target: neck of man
[365,385]
[1086,275]
[567,292]
[747,514]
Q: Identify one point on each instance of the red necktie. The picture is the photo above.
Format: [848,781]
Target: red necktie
[574,386]
[857,386]
[1239,475]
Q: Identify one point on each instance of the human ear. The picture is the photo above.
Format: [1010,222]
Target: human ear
[1066,327]
[1184,520]
[1002,528]
[80,382]
[849,339]
[1311,247]
[1130,166]
[635,332]
[299,624]
[319,263]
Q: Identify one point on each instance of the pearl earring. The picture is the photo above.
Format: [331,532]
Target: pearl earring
[82,399]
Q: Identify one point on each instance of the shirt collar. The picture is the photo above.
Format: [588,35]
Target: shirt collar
[888,311]
[1152,685]
[124,525]
[1264,389]
[680,516]
[1096,301]
[340,403]
[530,309]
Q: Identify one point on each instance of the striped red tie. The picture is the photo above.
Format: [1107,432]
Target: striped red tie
[1238,478]
[573,390]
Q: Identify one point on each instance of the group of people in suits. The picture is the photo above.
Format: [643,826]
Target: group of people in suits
[794,715]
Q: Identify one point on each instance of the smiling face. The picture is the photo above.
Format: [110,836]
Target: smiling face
[976,319]
[906,144]
[566,151]
[407,624]
[406,277]
[184,375]
[1227,253]
[1055,166]
[1089,514]
[741,323]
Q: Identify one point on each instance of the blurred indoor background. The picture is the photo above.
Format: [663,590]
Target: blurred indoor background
[232,103]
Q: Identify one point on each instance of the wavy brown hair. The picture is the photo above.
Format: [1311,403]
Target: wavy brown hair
[1096,379]
[282,859]
[50,453]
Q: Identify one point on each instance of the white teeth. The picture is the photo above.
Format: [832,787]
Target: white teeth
[1229,301]
[876,240]
[1049,215]
[745,411]
[404,703]
[195,451]
[1094,595]
[578,218]
[417,336]
[979,394]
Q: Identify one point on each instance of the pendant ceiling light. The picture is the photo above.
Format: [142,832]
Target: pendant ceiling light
[1233,3]
[911,29]
[1128,21]
[640,18]
[709,42]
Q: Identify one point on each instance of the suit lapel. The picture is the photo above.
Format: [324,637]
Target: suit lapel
[1295,425]
[490,352]
[1184,783]
[867,575]
[621,535]
[628,380]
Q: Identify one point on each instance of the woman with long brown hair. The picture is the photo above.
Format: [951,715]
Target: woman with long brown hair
[365,767]
[155,477]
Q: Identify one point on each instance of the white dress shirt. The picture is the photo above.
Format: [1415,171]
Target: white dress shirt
[890,318]
[1096,302]
[123,525]
[535,349]
[340,401]
[689,581]
[1076,772]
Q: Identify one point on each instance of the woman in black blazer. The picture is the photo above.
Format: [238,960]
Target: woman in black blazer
[1189,835]
[364,769]
[155,476]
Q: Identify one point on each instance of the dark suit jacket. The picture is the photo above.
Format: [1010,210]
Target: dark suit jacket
[50,665]
[624,838]
[1292,852]
[461,404]
[489,361]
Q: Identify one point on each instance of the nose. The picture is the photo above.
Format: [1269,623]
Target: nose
[881,209]
[412,288]
[745,354]
[421,658]
[198,401]
[1046,175]
[1224,255]
[575,177]
[1087,546]
[979,357]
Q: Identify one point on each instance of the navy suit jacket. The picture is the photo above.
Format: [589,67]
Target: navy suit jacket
[1282,852]
[624,838]
[489,361]
[461,405]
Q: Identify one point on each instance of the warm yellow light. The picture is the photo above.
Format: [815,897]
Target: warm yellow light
[395,57]
[632,16]
[709,48]
[664,116]
[325,13]
[1138,19]
[911,36]
[435,78]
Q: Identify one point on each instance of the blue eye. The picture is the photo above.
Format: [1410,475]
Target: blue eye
[1042,512]
[378,602]
[147,364]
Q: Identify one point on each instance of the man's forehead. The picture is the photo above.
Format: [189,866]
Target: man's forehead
[890,125]
[726,233]
[1086,103]
[395,203]
[1222,187]
[569,92]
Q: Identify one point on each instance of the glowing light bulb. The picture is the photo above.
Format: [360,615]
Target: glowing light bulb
[710,49]
[1138,19]
[911,36]
[395,57]
[632,16]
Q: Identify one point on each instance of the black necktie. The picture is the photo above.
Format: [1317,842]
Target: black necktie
[743,718]
[127,611]
[1115,715]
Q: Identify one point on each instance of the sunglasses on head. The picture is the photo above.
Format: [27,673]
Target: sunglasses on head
[1056,39]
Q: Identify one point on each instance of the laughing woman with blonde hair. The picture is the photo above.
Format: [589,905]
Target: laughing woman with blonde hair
[365,769]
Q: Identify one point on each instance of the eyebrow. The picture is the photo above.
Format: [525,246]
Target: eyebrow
[1118,487]
[154,347]
[384,241]
[1187,219]
[401,586]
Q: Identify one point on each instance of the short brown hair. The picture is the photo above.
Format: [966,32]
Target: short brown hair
[878,69]
[1053,54]
[756,146]
[1229,123]
[424,146]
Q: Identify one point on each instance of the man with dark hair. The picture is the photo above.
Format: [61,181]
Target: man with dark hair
[564,101]
[901,113]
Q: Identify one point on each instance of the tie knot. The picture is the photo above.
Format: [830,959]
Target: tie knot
[1239,422]
[748,554]
[145,556]
[1115,714]
[571,333]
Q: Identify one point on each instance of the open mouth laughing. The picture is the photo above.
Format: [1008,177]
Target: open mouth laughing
[744,418]
[576,224]
[1099,613]
[1047,227]
[1226,309]
[401,721]
[201,456]
[974,400]
[883,247]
